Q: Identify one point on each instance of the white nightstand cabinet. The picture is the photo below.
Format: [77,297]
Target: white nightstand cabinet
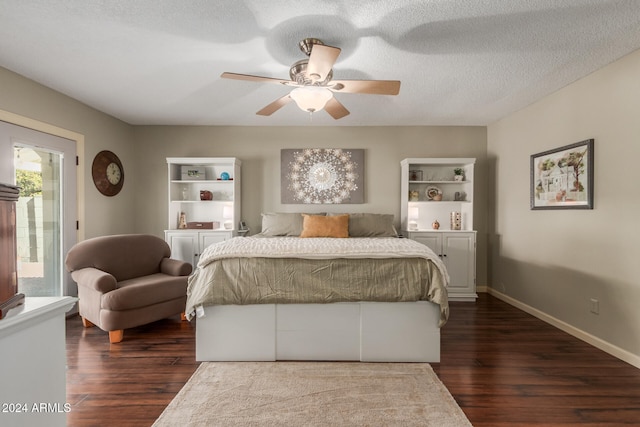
[188,245]
[457,249]
[430,193]
[206,192]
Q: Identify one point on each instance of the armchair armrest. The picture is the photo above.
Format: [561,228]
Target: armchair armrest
[96,279]
[174,267]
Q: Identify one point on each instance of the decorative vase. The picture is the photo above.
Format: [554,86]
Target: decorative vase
[456,221]
[182,221]
[458,178]
[435,225]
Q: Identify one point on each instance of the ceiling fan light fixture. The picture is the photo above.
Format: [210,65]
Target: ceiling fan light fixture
[311,98]
[312,78]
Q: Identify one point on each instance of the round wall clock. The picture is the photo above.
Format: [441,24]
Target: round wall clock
[107,173]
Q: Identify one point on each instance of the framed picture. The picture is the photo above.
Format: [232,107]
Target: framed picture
[415,175]
[192,173]
[322,176]
[562,178]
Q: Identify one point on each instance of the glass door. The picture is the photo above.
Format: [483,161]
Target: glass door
[44,166]
[39,221]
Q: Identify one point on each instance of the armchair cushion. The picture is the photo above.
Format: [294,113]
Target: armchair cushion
[174,267]
[99,280]
[144,291]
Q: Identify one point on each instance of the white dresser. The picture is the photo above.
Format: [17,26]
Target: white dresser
[33,363]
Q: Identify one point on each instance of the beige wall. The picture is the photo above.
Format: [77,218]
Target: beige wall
[556,261]
[259,149]
[141,206]
[27,99]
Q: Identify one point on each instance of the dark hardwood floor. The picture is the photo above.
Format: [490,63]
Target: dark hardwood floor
[507,368]
[503,367]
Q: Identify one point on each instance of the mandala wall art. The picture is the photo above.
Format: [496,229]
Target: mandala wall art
[322,176]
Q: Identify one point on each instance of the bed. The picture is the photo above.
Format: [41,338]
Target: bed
[304,294]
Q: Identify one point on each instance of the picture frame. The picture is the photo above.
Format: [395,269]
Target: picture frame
[322,176]
[415,175]
[562,178]
[192,173]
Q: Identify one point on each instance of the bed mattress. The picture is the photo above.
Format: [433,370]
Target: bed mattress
[291,270]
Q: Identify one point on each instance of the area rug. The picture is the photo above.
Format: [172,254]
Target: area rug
[313,394]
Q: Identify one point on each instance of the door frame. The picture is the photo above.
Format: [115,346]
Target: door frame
[47,128]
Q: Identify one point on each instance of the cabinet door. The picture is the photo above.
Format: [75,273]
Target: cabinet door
[433,241]
[184,246]
[459,257]
[207,239]
[457,250]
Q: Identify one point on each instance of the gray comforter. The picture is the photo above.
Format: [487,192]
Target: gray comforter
[290,270]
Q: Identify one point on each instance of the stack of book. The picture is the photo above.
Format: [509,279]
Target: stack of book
[9,193]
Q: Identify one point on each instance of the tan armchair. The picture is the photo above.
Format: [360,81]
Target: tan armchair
[126,281]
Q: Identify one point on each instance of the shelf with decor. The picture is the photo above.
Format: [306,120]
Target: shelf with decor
[431,191]
[204,203]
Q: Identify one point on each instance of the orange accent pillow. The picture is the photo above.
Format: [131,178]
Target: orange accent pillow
[325,226]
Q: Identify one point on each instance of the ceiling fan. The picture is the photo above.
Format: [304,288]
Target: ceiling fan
[312,80]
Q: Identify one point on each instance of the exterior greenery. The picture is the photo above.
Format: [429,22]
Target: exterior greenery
[30,183]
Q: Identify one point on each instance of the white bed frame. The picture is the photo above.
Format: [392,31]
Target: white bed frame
[364,331]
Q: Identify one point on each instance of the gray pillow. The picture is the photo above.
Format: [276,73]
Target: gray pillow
[371,225]
[282,223]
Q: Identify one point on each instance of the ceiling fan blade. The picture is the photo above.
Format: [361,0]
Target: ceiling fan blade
[336,109]
[374,87]
[275,106]
[321,62]
[250,78]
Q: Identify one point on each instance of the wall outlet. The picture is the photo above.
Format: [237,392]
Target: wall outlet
[595,306]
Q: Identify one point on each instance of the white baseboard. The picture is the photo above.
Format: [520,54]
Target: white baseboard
[622,354]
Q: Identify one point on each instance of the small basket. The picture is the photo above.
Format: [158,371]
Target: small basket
[203,225]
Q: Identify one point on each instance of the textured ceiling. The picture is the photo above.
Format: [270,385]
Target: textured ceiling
[460,62]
